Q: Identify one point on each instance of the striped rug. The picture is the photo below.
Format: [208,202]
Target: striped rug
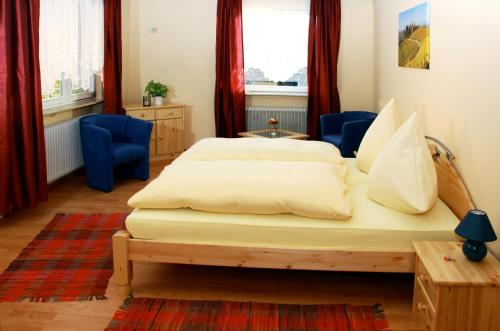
[187,315]
[71,259]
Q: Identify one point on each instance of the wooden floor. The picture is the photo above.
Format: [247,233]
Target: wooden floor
[71,195]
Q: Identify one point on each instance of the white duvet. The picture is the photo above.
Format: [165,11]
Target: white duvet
[262,149]
[299,185]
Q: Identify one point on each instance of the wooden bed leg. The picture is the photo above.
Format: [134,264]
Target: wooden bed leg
[122,265]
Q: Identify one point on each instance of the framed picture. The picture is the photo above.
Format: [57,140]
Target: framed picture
[414,37]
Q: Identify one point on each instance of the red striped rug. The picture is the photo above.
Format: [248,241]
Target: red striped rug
[71,259]
[186,315]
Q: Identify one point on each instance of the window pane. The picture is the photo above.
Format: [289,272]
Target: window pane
[275,34]
[91,39]
[71,44]
[58,38]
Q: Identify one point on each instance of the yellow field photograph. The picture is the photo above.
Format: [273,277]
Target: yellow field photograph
[414,37]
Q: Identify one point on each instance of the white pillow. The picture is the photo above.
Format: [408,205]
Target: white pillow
[379,133]
[403,177]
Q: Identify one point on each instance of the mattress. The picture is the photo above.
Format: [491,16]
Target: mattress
[373,227]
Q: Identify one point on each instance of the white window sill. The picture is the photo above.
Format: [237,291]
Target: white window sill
[272,90]
[277,93]
[52,111]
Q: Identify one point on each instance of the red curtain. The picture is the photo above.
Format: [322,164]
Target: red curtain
[323,53]
[230,74]
[112,69]
[23,174]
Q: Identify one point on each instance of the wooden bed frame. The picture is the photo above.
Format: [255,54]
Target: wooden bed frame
[126,249]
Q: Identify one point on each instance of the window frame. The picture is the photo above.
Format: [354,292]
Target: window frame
[274,89]
[67,97]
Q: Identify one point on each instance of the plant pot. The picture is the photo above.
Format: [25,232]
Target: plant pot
[158,101]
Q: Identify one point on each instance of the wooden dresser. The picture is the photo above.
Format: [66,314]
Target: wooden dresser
[453,293]
[167,137]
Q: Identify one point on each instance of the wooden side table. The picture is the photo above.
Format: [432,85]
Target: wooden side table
[274,133]
[453,293]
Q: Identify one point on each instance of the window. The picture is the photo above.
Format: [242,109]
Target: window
[275,37]
[71,49]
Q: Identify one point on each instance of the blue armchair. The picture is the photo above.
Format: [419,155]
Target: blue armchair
[346,130]
[114,145]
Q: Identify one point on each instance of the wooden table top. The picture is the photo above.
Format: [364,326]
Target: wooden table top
[447,265]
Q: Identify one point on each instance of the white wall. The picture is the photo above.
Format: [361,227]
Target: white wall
[356,58]
[182,54]
[459,97]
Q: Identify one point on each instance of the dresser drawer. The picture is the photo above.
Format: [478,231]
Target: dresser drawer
[147,114]
[167,113]
[430,288]
[423,307]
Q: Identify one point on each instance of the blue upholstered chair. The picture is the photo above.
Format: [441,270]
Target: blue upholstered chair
[114,146]
[346,130]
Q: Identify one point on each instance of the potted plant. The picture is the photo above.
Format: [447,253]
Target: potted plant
[158,91]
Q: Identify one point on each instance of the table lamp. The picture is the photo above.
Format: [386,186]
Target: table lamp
[476,229]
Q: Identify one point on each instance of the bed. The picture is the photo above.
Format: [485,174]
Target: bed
[375,239]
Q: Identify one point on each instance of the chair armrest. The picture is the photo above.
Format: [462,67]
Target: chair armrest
[331,123]
[97,145]
[139,131]
[352,135]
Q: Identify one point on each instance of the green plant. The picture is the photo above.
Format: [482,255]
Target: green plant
[156,89]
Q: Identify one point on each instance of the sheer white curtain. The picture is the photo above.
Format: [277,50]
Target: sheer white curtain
[71,43]
[275,34]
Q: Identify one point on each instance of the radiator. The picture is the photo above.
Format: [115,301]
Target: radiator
[63,149]
[293,119]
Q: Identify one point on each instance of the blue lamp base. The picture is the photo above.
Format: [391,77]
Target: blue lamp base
[474,250]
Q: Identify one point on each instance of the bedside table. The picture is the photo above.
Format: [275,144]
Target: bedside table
[457,294]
